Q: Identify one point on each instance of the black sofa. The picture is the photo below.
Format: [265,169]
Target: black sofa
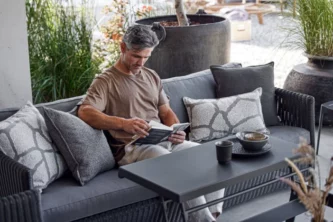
[109,198]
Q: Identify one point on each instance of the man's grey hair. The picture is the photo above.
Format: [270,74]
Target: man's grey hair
[139,37]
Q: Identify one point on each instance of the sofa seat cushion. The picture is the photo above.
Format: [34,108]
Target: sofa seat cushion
[289,133]
[65,201]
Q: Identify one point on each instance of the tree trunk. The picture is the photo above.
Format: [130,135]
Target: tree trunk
[181,14]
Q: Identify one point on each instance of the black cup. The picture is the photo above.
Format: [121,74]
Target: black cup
[224,151]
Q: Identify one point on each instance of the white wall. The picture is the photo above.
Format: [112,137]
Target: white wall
[15,83]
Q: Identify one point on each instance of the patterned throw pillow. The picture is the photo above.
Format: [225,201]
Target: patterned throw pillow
[235,81]
[24,138]
[217,118]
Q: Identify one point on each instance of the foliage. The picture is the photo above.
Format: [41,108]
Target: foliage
[60,37]
[122,16]
[313,198]
[314,28]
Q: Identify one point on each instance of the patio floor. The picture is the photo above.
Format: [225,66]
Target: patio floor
[265,46]
[268,44]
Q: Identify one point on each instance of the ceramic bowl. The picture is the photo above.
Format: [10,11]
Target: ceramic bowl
[252,141]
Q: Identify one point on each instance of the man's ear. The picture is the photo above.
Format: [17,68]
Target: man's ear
[123,47]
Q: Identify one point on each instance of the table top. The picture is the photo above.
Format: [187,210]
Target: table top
[193,172]
[328,105]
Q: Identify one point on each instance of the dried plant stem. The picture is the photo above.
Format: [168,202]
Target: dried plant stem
[313,198]
[318,170]
[299,174]
[313,177]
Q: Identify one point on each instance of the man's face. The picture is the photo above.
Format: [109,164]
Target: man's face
[134,59]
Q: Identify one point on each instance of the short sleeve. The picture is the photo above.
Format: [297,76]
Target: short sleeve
[163,98]
[96,95]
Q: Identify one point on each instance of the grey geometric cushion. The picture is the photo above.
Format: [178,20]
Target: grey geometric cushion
[24,138]
[84,148]
[216,118]
[235,81]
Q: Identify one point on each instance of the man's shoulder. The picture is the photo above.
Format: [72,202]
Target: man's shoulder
[151,73]
[106,74]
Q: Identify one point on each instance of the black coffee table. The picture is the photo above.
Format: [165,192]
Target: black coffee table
[187,174]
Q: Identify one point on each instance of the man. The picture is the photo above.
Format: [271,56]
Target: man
[125,97]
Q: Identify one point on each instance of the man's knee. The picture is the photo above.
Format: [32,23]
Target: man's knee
[152,152]
[185,145]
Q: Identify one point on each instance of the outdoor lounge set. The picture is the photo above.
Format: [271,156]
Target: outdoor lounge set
[106,197]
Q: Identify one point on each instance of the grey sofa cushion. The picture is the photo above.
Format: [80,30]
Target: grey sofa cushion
[84,148]
[235,81]
[216,118]
[24,138]
[64,201]
[199,85]
[289,133]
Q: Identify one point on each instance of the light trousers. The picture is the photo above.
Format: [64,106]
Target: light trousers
[142,152]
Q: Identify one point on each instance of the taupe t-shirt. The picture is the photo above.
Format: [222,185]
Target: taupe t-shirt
[118,94]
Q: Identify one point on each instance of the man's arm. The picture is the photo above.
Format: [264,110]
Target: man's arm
[168,117]
[99,120]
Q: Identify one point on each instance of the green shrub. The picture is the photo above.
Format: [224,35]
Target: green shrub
[60,39]
[314,29]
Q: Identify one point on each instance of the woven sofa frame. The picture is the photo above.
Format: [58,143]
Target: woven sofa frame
[294,109]
[21,207]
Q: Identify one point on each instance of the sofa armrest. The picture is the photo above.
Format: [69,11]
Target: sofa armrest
[296,109]
[14,177]
[21,207]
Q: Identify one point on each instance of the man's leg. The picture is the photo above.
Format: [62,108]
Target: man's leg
[216,209]
[134,153]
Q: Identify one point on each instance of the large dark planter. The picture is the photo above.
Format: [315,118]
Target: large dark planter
[314,78]
[189,49]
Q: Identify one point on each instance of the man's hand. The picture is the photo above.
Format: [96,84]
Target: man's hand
[136,126]
[177,137]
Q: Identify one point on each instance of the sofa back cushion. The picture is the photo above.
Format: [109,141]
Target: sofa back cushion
[66,105]
[231,82]
[199,85]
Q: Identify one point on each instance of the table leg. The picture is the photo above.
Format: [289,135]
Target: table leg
[260,18]
[321,117]
[293,195]
[184,213]
[165,209]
